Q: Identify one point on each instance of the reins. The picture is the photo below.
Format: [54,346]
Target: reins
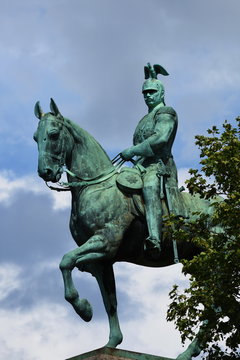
[82,183]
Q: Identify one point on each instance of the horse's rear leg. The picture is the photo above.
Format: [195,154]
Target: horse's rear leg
[106,281]
[195,347]
[193,350]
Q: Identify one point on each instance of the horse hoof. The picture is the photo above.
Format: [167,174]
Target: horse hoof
[83,309]
[87,312]
[114,342]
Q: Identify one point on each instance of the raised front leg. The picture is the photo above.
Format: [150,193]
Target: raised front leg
[100,247]
[81,306]
[69,261]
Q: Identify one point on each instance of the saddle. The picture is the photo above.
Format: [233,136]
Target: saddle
[129,180]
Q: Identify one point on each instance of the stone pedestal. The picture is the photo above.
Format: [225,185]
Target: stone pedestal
[107,353]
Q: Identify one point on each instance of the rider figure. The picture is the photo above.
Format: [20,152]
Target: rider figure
[153,140]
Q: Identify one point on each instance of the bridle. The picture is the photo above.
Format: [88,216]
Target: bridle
[81,183]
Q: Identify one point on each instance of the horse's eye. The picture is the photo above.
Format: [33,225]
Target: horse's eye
[54,135]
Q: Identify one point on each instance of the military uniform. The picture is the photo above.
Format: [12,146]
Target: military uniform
[153,138]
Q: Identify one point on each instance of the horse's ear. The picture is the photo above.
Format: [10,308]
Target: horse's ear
[38,110]
[54,108]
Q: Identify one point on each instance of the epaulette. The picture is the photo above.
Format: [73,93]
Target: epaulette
[166,110]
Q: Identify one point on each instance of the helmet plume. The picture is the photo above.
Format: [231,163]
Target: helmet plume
[152,71]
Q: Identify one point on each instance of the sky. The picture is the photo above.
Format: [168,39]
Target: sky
[88,55]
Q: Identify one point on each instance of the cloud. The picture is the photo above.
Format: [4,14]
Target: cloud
[10,279]
[34,237]
[10,186]
[32,231]
[148,290]
[49,329]
[45,332]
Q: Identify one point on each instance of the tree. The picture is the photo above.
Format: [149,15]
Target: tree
[214,290]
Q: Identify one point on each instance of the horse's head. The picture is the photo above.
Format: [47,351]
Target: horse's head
[53,142]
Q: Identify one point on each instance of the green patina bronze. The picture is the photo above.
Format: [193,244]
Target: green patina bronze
[153,140]
[108,220]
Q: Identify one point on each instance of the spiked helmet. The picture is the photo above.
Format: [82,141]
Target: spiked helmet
[152,82]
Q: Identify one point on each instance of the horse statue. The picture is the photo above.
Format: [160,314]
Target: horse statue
[107,222]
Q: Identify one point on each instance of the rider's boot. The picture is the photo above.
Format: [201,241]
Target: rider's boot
[153,208]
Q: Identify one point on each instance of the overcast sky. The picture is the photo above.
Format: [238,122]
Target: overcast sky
[89,56]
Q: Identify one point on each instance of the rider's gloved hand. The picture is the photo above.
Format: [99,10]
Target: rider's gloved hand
[127,154]
[143,149]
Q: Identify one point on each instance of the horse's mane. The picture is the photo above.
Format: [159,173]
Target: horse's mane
[80,135]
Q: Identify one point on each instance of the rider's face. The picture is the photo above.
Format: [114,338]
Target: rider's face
[152,97]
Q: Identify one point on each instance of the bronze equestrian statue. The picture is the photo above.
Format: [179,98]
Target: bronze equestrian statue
[107,219]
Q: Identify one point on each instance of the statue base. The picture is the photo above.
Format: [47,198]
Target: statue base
[107,353]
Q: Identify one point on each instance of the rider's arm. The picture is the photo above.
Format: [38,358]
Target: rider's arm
[165,128]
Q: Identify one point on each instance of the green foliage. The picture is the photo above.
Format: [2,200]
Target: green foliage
[214,290]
